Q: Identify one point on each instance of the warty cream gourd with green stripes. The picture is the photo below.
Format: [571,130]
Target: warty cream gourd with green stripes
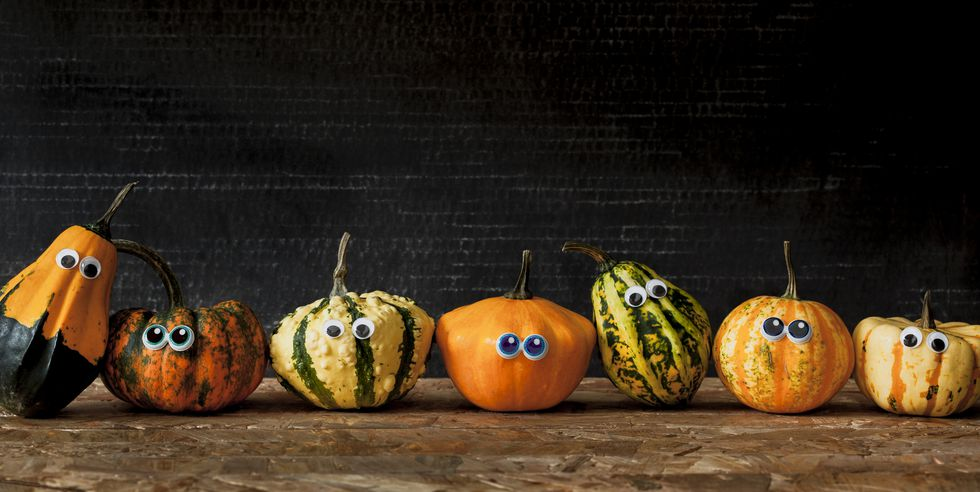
[654,338]
[350,350]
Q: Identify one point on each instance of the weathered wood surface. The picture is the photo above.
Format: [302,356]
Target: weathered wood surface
[435,440]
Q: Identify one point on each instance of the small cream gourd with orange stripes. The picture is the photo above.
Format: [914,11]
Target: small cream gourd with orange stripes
[783,354]
[925,367]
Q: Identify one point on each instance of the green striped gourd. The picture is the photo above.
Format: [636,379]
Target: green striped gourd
[350,350]
[654,338]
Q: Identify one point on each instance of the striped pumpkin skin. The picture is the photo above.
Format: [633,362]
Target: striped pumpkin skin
[917,381]
[223,366]
[657,353]
[782,376]
[345,372]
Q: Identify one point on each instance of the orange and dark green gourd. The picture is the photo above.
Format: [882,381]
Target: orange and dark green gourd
[53,319]
[654,338]
[783,354]
[183,360]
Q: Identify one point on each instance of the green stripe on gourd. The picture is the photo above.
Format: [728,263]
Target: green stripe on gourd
[406,350]
[364,360]
[303,363]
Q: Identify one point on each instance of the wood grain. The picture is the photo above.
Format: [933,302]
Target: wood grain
[435,440]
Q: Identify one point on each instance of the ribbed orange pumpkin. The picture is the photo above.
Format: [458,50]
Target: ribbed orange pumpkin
[783,354]
[183,360]
[517,352]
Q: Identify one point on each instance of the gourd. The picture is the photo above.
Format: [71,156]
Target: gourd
[180,359]
[53,319]
[350,350]
[783,354]
[518,352]
[654,338]
[925,367]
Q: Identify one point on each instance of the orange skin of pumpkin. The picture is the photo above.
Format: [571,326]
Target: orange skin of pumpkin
[800,377]
[467,337]
[77,307]
[223,366]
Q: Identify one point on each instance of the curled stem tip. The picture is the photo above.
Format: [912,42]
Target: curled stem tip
[340,272]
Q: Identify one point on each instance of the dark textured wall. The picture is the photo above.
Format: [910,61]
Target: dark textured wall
[448,136]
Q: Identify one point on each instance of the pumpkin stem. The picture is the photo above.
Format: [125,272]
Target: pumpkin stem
[340,273]
[926,320]
[101,226]
[158,264]
[791,286]
[520,291]
[605,262]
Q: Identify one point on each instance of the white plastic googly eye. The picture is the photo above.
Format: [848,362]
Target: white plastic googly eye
[363,328]
[508,345]
[937,342]
[635,296]
[656,288]
[799,331]
[773,329]
[155,337]
[90,267]
[181,338]
[333,328]
[535,347]
[66,259]
[911,337]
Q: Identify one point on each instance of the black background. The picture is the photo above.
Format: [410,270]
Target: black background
[448,136]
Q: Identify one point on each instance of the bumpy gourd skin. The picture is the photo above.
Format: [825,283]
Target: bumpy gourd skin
[346,372]
[917,381]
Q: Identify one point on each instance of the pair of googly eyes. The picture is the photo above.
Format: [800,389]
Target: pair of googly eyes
[534,347]
[773,329]
[362,328]
[635,296]
[90,267]
[155,337]
[937,341]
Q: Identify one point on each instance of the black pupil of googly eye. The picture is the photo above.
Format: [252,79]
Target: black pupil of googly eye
[910,340]
[636,299]
[534,346]
[799,329]
[333,331]
[937,344]
[68,261]
[362,330]
[772,326]
[509,344]
[154,335]
[179,336]
[659,290]
[90,270]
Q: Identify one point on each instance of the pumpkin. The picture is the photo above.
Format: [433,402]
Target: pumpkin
[350,350]
[180,359]
[654,338]
[53,319]
[517,352]
[783,354]
[925,367]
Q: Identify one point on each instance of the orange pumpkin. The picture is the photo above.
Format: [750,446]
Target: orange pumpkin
[517,352]
[783,354]
[183,360]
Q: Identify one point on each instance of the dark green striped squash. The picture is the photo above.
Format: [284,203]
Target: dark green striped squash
[654,338]
[351,350]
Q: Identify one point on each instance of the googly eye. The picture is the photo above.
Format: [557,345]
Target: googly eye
[333,328]
[773,329]
[90,267]
[535,347]
[181,338]
[799,331]
[508,345]
[363,328]
[911,336]
[154,337]
[66,258]
[656,288]
[635,296]
[937,342]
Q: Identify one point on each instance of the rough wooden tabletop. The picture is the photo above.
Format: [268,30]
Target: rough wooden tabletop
[435,440]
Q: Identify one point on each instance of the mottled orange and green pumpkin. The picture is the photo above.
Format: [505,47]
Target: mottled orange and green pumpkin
[800,363]
[181,359]
[53,319]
